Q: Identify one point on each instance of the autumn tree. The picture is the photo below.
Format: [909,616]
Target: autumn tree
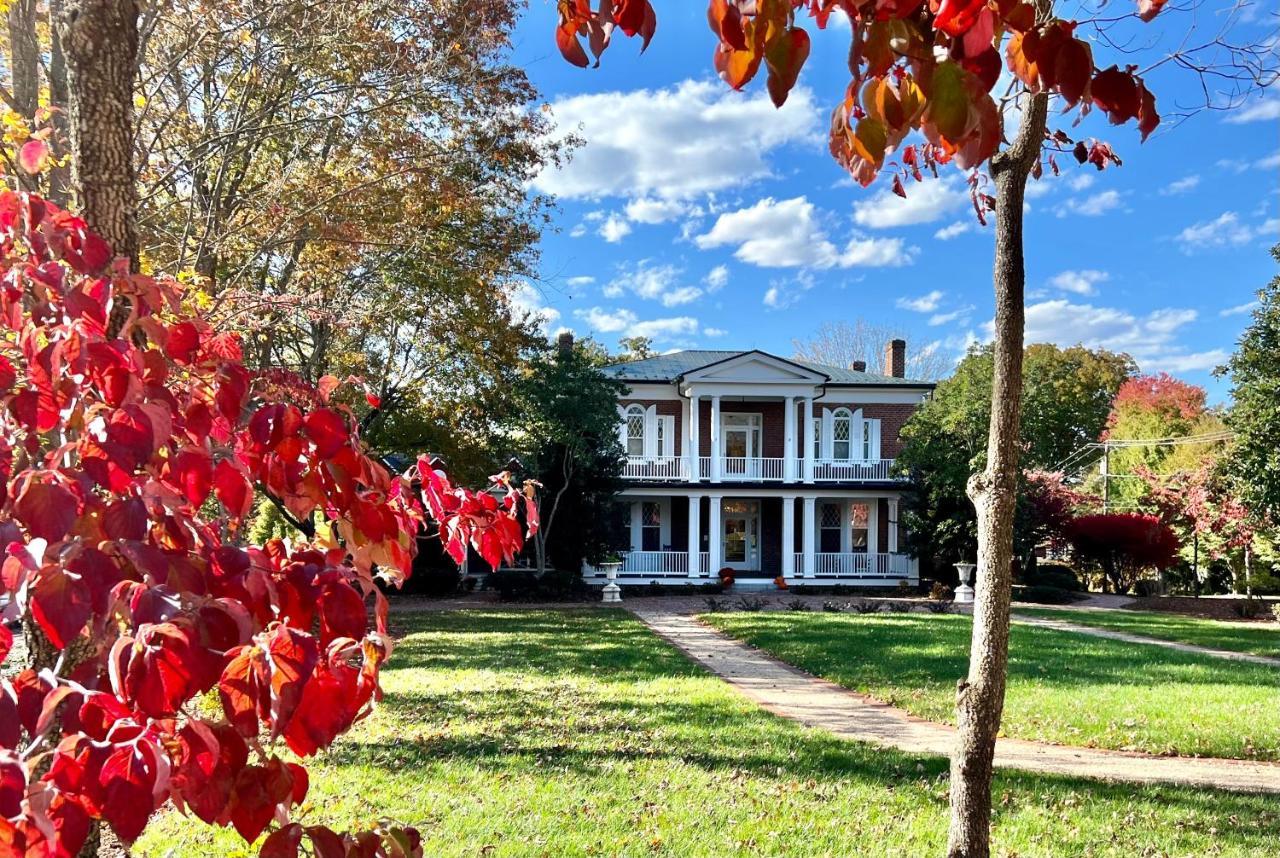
[930,69]
[1123,545]
[1067,397]
[844,344]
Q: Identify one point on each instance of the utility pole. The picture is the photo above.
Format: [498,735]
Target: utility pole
[1106,474]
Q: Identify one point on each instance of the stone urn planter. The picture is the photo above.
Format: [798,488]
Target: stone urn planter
[612,592]
[964,592]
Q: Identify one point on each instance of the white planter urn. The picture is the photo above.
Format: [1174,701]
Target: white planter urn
[964,592]
[612,592]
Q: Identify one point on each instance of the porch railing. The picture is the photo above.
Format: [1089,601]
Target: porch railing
[757,469]
[656,564]
[849,564]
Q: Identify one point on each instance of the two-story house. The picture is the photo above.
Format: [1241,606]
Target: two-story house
[764,465]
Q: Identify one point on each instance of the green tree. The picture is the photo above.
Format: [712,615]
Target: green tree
[1068,397]
[1255,417]
[635,348]
[568,417]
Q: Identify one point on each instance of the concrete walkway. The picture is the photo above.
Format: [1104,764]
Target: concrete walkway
[1112,634]
[791,693]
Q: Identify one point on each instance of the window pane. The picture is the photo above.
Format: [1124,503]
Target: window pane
[651,514]
[840,450]
[635,432]
[831,515]
[650,539]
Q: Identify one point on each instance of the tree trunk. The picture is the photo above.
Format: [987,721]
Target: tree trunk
[100,41]
[60,101]
[24,72]
[980,697]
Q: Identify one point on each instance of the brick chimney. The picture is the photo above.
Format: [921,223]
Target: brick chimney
[859,366]
[564,344]
[895,358]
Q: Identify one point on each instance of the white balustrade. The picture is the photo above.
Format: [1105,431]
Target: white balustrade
[847,564]
[853,470]
[655,468]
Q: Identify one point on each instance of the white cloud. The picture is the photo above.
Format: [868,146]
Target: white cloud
[1262,110]
[1226,230]
[614,228]
[1180,186]
[1155,340]
[947,233]
[787,234]
[1080,181]
[1270,162]
[925,202]
[653,283]
[650,210]
[525,298]
[962,314]
[1093,205]
[782,293]
[626,322]
[673,143]
[924,304]
[1039,187]
[714,332]
[1239,309]
[717,278]
[581,280]
[578,231]
[1081,282]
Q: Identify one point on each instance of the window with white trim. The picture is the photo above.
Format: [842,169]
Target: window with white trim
[817,437]
[859,521]
[651,526]
[829,525]
[841,434]
[635,430]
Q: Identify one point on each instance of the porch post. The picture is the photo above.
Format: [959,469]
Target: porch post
[695,543]
[892,547]
[808,439]
[714,533]
[789,439]
[810,524]
[691,429]
[788,535]
[715,438]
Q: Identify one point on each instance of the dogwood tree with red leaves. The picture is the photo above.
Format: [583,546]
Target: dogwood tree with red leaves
[921,95]
[1123,545]
[126,463]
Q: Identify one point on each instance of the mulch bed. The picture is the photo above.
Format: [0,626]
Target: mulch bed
[1210,608]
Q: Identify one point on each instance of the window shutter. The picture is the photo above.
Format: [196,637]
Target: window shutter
[826,433]
[668,435]
[873,429]
[622,428]
[651,431]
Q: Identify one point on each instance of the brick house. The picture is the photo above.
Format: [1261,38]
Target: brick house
[765,465]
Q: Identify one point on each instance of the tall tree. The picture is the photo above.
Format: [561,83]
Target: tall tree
[843,344]
[931,69]
[568,411]
[1255,415]
[1068,395]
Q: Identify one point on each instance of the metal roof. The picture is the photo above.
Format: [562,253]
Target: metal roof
[667,368]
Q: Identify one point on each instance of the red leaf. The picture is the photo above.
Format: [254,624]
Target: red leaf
[326,428]
[192,471]
[1116,93]
[59,604]
[154,670]
[283,842]
[293,656]
[955,17]
[128,782]
[33,156]
[570,48]
[1148,119]
[47,509]
[183,343]
[1073,67]
[126,519]
[785,55]
[374,401]
[342,613]
[6,644]
[897,186]
[232,488]
[243,689]
[1149,9]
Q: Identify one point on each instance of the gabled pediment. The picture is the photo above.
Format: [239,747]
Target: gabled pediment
[756,367]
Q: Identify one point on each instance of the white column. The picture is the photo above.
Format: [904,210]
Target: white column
[691,442]
[809,536]
[873,526]
[637,541]
[808,439]
[695,531]
[714,532]
[892,548]
[788,535]
[789,440]
[715,439]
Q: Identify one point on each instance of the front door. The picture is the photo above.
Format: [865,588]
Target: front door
[740,440]
[740,542]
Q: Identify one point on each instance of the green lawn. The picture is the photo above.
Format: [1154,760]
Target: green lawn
[1064,687]
[1256,638]
[579,733]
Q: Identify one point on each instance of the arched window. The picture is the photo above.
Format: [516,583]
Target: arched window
[841,434]
[635,430]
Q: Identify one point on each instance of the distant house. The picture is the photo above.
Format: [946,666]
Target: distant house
[764,465]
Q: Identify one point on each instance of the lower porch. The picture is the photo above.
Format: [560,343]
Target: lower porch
[809,538]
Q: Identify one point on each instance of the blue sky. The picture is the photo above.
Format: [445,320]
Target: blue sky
[707,219]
